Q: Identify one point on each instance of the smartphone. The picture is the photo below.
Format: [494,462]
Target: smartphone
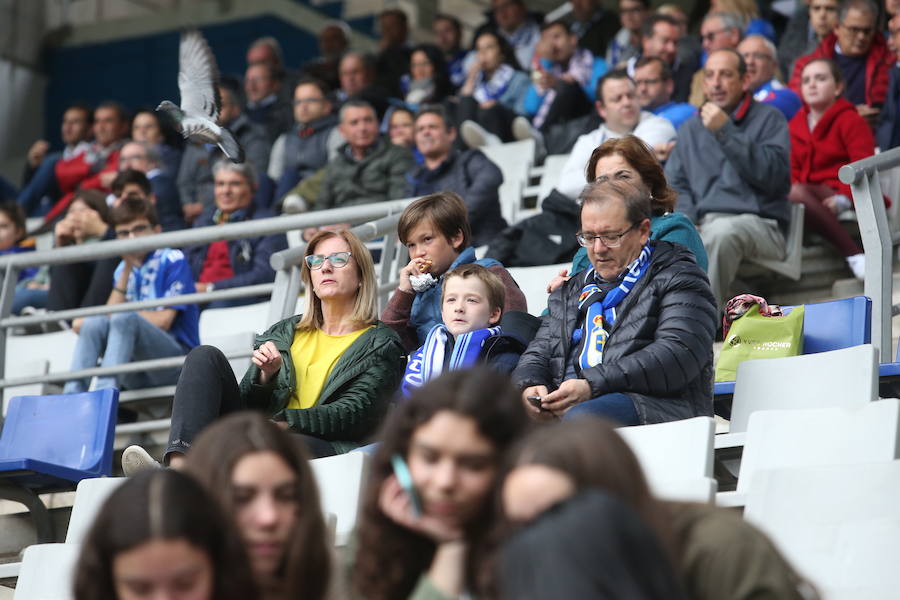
[404,478]
[535,401]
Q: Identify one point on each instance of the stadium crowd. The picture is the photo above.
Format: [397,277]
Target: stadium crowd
[684,154]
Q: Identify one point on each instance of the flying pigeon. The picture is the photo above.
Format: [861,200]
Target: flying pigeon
[197,83]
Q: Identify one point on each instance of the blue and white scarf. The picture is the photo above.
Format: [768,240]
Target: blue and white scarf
[496,86]
[428,361]
[599,309]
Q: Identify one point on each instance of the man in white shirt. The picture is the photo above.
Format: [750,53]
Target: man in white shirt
[617,105]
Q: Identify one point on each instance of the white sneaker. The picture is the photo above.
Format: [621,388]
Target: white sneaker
[135,459]
[293,204]
[476,136]
[857,264]
[522,129]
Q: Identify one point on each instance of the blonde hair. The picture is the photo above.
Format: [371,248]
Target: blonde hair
[496,296]
[365,308]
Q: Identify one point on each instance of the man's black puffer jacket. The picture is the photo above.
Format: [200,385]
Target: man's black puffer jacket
[659,352]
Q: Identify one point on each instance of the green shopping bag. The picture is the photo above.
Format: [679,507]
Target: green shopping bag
[754,336]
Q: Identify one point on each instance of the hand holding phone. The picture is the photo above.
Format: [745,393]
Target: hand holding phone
[535,401]
[404,478]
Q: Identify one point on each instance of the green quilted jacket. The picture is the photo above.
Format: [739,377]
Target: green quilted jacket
[355,396]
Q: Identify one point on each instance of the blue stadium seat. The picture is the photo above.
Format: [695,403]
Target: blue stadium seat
[50,443]
[827,326]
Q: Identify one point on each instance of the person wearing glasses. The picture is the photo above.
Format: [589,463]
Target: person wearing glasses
[759,54]
[124,337]
[719,30]
[326,375]
[630,338]
[310,144]
[862,54]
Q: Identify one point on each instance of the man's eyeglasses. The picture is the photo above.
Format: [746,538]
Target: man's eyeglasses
[709,37]
[134,231]
[610,240]
[338,260]
[301,101]
[863,31]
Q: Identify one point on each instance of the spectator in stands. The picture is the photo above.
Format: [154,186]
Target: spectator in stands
[130,182]
[334,40]
[143,157]
[716,552]
[468,173]
[366,168]
[494,87]
[827,134]
[689,45]
[617,104]
[392,61]
[654,87]
[627,42]
[124,337]
[195,177]
[740,206]
[157,533]
[264,106]
[811,23]
[651,363]
[591,545]
[147,126]
[310,144]
[326,376]
[40,168]
[235,263]
[521,29]
[435,230]
[864,58]
[29,290]
[96,168]
[452,434]
[719,30]
[759,55]
[472,301]
[357,75]
[563,81]
[88,283]
[448,36]
[428,78]
[401,129]
[264,480]
[660,35]
[888,133]
[594,26]
[748,12]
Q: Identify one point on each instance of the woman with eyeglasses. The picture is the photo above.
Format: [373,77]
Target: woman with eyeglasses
[326,375]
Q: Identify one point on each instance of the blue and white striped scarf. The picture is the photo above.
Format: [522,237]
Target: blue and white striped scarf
[495,87]
[428,361]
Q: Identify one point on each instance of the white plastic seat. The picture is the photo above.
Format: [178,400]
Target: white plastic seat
[47,572]
[676,457]
[340,480]
[218,321]
[838,525]
[533,283]
[813,437]
[549,176]
[514,161]
[847,377]
[89,497]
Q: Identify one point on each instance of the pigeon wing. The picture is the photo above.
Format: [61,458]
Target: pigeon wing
[197,77]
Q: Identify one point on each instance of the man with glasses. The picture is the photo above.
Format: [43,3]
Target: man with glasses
[125,337]
[627,42]
[235,263]
[660,38]
[143,157]
[719,30]
[313,141]
[630,338]
[862,54]
[731,169]
[759,55]
[654,86]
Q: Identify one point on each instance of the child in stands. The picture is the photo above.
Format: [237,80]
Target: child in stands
[435,229]
[157,534]
[474,330]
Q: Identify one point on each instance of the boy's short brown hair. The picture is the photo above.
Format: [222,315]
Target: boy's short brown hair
[496,292]
[132,208]
[445,209]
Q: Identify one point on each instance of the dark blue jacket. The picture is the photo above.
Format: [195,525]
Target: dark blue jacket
[888,134]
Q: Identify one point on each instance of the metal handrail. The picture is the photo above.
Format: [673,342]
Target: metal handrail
[284,291]
[864,179]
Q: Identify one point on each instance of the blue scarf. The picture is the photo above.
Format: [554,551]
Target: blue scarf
[428,361]
[599,309]
[496,86]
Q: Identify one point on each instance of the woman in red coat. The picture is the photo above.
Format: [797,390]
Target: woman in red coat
[826,134]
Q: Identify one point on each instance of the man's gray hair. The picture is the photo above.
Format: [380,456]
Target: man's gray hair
[770,47]
[273,44]
[727,19]
[355,103]
[635,196]
[244,169]
[150,152]
[864,6]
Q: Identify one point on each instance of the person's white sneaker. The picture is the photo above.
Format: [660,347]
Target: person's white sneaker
[857,264]
[135,459]
[476,136]
[293,204]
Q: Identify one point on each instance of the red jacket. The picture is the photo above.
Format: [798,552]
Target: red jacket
[878,65]
[77,173]
[840,137]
